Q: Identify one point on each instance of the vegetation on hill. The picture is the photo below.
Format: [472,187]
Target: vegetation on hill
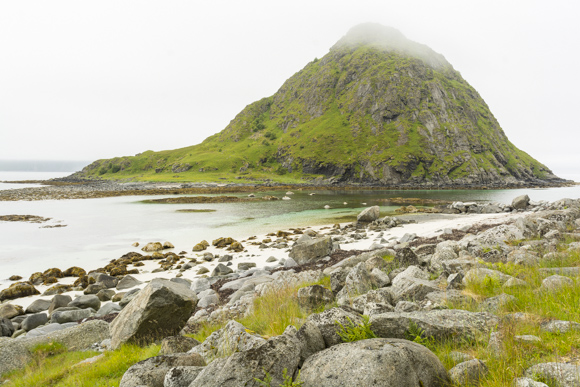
[377,109]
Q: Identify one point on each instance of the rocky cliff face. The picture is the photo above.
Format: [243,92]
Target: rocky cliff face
[377,109]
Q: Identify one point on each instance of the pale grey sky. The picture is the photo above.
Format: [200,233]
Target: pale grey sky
[97,79]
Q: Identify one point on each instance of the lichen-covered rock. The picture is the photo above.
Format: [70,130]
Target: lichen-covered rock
[160,309]
[151,372]
[327,322]
[440,324]
[369,214]
[177,344]
[74,271]
[244,367]
[18,290]
[375,362]
[468,373]
[152,246]
[311,250]
[557,374]
[312,297]
[234,337]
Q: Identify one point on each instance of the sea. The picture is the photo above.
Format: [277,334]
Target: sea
[91,232]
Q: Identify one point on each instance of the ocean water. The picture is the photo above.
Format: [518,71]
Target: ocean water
[21,176]
[99,230]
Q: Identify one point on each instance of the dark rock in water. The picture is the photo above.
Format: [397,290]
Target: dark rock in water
[177,344]
[18,290]
[374,362]
[151,372]
[161,309]
[6,327]
[37,306]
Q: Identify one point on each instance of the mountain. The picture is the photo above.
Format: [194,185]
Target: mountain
[378,109]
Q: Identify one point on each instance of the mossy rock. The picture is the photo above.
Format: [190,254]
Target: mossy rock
[36,278]
[17,291]
[54,272]
[74,271]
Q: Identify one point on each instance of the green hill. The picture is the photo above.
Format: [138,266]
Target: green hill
[377,109]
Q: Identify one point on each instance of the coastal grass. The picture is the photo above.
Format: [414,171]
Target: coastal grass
[52,365]
[270,313]
[539,306]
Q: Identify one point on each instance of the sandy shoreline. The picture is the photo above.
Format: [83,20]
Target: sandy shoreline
[428,225]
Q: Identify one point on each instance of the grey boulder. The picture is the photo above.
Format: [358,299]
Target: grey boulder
[6,327]
[87,301]
[521,202]
[440,324]
[374,362]
[160,309]
[311,250]
[468,373]
[181,376]
[151,372]
[369,214]
[558,374]
[38,306]
[243,368]
[34,320]
[128,282]
[177,344]
[315,296]
[327,322]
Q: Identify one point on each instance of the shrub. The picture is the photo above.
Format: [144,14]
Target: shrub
[352,332]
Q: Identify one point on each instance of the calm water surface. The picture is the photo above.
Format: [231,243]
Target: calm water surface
[98,230]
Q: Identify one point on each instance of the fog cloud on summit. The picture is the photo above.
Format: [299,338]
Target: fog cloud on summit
[89,80]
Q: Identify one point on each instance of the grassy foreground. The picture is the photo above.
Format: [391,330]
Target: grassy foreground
[272,313]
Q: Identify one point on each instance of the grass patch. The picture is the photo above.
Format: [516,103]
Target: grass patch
[53,366]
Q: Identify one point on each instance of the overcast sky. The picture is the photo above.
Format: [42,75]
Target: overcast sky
[97,79]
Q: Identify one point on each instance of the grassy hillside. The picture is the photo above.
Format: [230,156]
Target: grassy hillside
[364,113]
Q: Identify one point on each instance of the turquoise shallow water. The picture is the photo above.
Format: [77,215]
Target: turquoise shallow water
[98,230]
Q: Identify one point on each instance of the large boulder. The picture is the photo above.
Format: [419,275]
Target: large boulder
[10,310]
[327,322]
[6,327]
[234,337]
[413,289]
[152,246]
[37,306]
[177,344]
[160,309]
[369,214]
[34,320]
[243,368]
[374,362]
[128,282]
[151,372]
[86,301]
[58,301]
[440,324]
[357,282]
[311,250]
[18,290]
[181,376]
[521,202]
[315,296]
